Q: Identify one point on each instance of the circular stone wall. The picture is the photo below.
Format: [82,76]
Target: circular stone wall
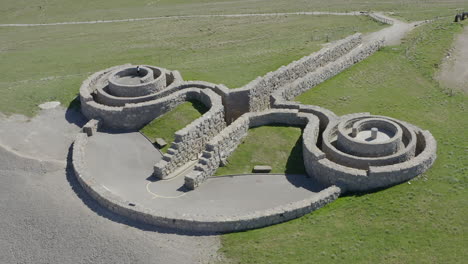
[361,152]
[133,81]
[371,137]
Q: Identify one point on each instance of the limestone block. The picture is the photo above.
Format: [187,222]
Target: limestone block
[261,169]
[160,143]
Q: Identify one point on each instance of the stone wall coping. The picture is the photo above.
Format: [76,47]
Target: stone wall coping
[195,222]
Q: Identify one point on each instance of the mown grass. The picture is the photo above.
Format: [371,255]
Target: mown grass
[165,126]
[24,11]
[49,63]
[421,222]
[277,146]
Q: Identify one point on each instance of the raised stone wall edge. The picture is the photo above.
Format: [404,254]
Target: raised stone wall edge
[380,18]
[224,144]
[262,87]
[198,223]
[312,79]
[190,141]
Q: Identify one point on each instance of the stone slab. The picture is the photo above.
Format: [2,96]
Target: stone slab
[261,169]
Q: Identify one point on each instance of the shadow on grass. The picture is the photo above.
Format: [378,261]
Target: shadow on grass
[200,107]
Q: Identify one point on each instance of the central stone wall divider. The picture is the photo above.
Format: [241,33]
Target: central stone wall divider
[225,143]
[191,140]
[312,79]
[262,87]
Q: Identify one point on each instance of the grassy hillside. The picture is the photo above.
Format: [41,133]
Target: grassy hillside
[46,11]
[49,63]
[421,222]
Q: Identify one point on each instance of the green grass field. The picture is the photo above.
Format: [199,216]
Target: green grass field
[421,222]
[277,146]
[165,126]
[46,11]
[49,63]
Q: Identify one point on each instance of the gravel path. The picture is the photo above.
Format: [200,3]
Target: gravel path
[46,217]
[454,70]
[393,34]
[180,17]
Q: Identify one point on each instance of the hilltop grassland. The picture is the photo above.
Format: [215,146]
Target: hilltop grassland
[23,11]
[42,64]
[422,221]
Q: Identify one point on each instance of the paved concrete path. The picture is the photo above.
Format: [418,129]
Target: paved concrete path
[47,136]
[46,216]
[123,163]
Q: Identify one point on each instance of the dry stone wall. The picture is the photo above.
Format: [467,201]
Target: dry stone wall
[351,165]
[224,144]
[331,165]
[132,113]
[261,88]
[312,79]
[190,141]
[200,223]
[380,18]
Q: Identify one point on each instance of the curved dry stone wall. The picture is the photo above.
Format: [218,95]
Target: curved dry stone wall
[380,18]
[133,112]
[352,153]
[397,153]
[223,145]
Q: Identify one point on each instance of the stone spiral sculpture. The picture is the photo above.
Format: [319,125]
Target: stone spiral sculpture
[352,153]
[361,152]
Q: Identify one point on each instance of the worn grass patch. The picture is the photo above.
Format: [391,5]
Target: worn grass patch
[165,126]
[42,64]
[277,146]
[421,222]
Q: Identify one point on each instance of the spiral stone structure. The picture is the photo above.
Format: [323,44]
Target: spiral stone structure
[361,152]
[352,153]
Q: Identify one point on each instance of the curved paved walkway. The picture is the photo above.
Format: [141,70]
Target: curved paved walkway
[123,164]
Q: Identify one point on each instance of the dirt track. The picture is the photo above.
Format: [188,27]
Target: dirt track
[180,17]
[454,70]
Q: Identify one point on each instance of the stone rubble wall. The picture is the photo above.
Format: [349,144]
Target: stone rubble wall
[386,175]
[211,142]
[190,141]
[261,88]
[153,81]
[360,162]
[197,223]
[102,95]
[135,116]
[225,143]
[418,155]
[312,79]
[380,18]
